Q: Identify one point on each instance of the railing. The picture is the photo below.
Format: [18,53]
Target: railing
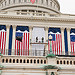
[24,60]
[66,61]
[29,52]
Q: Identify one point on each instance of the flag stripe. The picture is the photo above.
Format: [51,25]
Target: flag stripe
[56,44]
[22,48]
[2,41]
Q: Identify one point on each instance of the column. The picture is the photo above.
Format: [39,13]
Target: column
[46,38]
[68,38]
[45,3]
[30,39]
[13,39]
[7,39]
[63,43]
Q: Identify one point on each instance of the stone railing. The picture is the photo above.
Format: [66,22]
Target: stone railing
[23,60]
[39,60]
[66,60]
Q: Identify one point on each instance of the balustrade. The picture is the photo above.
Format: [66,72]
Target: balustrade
[24,60]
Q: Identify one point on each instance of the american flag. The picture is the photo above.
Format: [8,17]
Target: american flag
[2,41]
[33,1]
[72,36]
[56,43]
[22,47]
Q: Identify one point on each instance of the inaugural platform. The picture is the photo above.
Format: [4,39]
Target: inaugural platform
[36,38]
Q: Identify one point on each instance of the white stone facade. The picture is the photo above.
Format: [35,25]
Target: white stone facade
[42,15]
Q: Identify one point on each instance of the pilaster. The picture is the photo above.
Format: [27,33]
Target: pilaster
[63,43]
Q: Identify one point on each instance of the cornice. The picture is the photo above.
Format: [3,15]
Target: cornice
[63,19]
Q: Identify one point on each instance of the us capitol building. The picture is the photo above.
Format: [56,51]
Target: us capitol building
[36,38]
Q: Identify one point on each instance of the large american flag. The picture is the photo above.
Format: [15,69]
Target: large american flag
[22,47]
[72,36]
[2,41]
[56,43]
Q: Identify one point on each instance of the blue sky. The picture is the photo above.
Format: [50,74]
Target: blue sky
[67,6]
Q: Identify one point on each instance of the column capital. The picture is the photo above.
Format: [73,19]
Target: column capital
[14,26]
[7,26]
[62,28]
[30,27]
[68,28]
[46,28]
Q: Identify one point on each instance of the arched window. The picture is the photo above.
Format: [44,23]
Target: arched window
[24,0]
[13,1]
[47,2]
[5,3]
[19,1]
[9,1]
[41,1]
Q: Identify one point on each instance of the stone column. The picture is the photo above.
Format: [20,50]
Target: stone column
[68,38]
[30,39]
[44,2]
[46,38]
[63,43]
[7,39]
[13,39]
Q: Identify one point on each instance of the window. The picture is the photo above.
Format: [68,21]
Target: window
[50,3]
[5,3]
[47,2]
[19,1]
[24,0]
[9,1]
[41,1]
[13,1]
